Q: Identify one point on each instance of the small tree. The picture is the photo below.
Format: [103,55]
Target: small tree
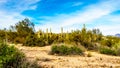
[23,29]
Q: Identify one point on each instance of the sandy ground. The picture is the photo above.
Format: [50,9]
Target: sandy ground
[52,61]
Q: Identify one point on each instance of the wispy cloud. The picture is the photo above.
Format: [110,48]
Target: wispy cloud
[109,29]
[110,24]
[87,15]
[9,19]
[77,3]
[10,11]
[18,6]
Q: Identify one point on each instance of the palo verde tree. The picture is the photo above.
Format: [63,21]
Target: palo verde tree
[23,29]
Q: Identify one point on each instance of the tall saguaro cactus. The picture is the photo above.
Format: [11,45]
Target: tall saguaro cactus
[47,33]
[61,30]
[50,32]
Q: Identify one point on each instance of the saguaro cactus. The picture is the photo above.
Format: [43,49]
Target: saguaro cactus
[61,31]
[50,32]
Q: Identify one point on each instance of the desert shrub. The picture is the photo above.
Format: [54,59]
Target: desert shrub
[1,40]
[29,41]
[60,50]
[51,39]
[116,47]
[75,50]
[94,46]
[10,57]
[40,42]
[19,40]
[118,52]
[65,50]
[108,43]
[90,45]
[107,50]
[113,50]
[33,40]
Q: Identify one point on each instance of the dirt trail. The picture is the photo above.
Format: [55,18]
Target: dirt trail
[51,61]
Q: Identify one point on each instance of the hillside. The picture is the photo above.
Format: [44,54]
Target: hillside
[117,35]
[41,54]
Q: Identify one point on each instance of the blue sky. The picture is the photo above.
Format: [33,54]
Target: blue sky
[69,14]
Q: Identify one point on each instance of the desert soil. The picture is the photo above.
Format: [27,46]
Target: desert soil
[41,54]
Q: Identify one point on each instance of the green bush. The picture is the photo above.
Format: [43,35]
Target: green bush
[19,40]
[33,40]
[118,52]
[106,50]
[60,49]
[114,50]
[10,57]
[65,50]
[75,50]
[116,47]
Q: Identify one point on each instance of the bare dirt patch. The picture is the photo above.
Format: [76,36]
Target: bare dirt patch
[51,61]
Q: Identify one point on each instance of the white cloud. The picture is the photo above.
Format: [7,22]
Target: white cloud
[77,4]
[18,6]
[110,25]
[10,11]
[27,5]
[6,20]
[109,29]
[115,19]
[87,16]
[33,7]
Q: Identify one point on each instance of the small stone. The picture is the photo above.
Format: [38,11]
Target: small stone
[111,66]
[100,58]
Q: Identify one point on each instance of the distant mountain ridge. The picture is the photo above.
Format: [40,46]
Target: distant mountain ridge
[117,35]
